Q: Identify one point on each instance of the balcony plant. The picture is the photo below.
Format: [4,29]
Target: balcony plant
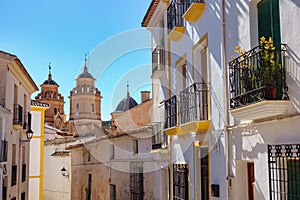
[270,68]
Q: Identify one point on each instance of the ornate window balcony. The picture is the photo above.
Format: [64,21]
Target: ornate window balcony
[159,139]
[188,112]
[158,62]
[195,8]
[257,84]
[17,116]
[193,108]
[175,20]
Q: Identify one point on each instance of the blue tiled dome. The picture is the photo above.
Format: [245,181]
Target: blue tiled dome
[126,104]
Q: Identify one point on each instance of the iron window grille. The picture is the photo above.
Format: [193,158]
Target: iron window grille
[180,181]
[284,171]
[257,75]
[193,104]
[158,59]
[136,181]
[18,114]
[159,139]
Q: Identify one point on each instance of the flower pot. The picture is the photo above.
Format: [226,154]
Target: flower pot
[270,92]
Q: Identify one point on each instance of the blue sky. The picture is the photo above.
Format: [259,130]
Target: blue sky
[63,31]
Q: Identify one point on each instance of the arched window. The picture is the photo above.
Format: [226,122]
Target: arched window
[55,111]
[46,94]
[54,95]
[82,88]
[88,88]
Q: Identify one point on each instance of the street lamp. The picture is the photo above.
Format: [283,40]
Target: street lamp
[64,172]
[29,134]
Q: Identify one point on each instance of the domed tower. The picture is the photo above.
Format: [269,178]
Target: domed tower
[125,104]
[85,102]
[55,115]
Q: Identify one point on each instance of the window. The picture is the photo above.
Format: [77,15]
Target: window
[112,151]
[284,171]
[89,188]
[77,109]
[92,108]
[88,89]
[15,94]
[135,146]
[180,181]
[23,196]
[82,88]
[14,166]
[136,181]
[112,189]
[184,76]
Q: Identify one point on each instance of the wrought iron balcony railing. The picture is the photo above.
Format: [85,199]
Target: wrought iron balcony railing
[193,104]
[257,75]
[158,59]
[189,2]
[3,151]
[18,114]
[175,12]
[159,139]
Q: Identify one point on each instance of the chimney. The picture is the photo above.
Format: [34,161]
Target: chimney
[145,96]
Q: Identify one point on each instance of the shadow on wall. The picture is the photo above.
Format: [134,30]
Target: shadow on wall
[293,78]
[297,2]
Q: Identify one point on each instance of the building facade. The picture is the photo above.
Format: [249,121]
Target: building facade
[188,93]
[36,157]
[16,87]
[224,88]
[263,97]
[117,163]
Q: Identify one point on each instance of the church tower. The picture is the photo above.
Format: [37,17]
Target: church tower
[85,103]
[55,115]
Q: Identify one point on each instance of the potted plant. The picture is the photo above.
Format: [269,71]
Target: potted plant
[270,68]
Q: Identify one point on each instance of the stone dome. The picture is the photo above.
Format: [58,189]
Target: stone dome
[85,74]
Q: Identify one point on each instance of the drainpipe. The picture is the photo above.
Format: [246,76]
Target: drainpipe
[226,98]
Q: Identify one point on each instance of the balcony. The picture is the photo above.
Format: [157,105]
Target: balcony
[158,62]
[159,139]
[257,84]
[3,151]
[18,116]
[189,112]
[193,108]
[195,10]
[176,27]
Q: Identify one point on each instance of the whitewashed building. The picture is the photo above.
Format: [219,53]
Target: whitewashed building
[16,87]
[188,94]
[219,88]
[263,90]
